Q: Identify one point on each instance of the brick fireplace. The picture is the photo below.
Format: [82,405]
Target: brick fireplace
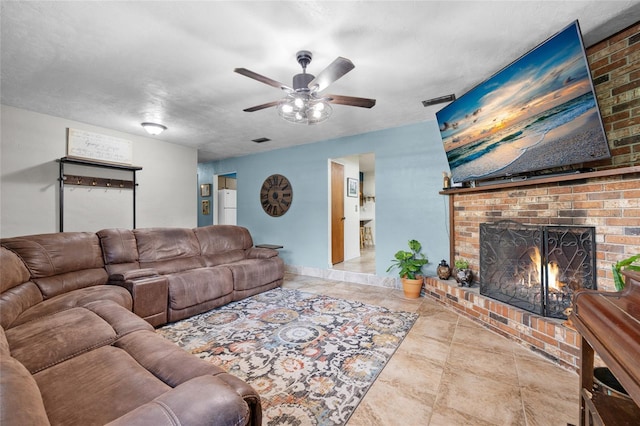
[536,268]
[610,204]
[607,200]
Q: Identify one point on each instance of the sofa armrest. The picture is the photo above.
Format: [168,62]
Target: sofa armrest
[132,274]
[261,253]
[20,399]
[149,291]
[203,400]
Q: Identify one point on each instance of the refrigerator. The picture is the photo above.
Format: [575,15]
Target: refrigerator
[227,207]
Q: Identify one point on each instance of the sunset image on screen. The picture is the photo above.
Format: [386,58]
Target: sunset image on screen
[539,112]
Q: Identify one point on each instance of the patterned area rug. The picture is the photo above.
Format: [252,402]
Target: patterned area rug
[311,358]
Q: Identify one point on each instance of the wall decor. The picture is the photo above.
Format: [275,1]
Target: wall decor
[86,145]
[276,195]
[352,187]
[205,190]
[206,207]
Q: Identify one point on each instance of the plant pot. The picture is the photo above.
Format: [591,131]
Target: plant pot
[411,287]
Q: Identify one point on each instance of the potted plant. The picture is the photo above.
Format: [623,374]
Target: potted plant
[632,263]
[462,273]
[410,265]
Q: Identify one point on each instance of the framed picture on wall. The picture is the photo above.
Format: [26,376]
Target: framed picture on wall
[205,190]
[206,207]
[352,187]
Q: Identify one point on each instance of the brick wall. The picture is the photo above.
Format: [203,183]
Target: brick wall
[615,68]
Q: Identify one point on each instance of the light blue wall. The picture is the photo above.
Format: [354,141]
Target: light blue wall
[409,162]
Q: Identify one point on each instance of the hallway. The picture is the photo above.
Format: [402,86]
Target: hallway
[366,263]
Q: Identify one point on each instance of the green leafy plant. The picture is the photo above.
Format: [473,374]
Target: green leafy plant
[632,263]
[461,264]
[410,262]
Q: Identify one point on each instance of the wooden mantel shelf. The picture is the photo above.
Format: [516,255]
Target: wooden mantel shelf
[545,180]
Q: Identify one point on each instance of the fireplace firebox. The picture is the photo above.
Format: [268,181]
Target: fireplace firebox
[536,268]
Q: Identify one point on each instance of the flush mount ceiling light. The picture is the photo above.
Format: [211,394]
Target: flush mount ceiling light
[303,103]
[153,128]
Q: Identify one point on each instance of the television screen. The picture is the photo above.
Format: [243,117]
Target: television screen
[538,113]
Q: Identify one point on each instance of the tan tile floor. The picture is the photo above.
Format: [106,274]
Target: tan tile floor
[451,371]
[366,263]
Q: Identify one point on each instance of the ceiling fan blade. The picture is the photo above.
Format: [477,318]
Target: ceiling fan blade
[351,101]
[263,106]
[263,79]
[333,72]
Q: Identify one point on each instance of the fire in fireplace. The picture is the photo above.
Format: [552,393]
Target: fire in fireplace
[536,268]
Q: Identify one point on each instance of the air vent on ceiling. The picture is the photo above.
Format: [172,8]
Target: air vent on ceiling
[440,100]
[260,140]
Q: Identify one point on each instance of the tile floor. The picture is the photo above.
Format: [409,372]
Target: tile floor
[366,263]
[451,371]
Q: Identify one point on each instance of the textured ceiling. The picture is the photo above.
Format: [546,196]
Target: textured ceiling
[117,64]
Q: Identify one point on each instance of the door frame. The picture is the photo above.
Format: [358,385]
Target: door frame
[214,194]
[330,211]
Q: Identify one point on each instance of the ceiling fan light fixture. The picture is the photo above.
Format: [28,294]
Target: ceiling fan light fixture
[304,109]
[153,128]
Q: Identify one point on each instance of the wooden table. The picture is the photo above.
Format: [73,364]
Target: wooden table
[609,323]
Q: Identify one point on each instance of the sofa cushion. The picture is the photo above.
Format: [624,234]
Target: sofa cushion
[70,281]
[179,407]
[48,341]
[12,270]
[189,288]
[174,365]
[43,343]
[16,301]
[252,273]
[52,254]
[62,262]
[222,258]
[155,244]
[65,301]
[168,250]
[119,249]
[96,387]
[17,293]
[220,244]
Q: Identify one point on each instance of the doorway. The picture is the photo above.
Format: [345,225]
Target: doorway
[225,196]
[358,218]
[337,213]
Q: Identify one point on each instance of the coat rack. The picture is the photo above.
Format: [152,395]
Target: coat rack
[98,182]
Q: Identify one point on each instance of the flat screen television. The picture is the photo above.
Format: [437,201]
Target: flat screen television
[538,113]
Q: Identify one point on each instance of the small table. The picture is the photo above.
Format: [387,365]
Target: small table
[269,246]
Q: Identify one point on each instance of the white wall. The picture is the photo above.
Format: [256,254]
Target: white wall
[30,145]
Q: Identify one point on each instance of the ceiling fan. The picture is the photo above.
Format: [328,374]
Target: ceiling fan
[303,102]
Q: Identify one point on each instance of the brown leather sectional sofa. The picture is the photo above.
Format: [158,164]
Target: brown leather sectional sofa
[73,352]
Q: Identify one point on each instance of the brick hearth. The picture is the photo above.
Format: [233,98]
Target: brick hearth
[546,336]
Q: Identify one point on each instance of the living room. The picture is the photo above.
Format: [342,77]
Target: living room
[409,161]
